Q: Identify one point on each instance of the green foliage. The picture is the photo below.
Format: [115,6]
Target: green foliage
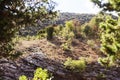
[8,48]
[107,62]
[75,65]
[110,36]
[67,35]
[58,29]
[95,21]
[109,5]
[69,25]
[67,32]
[50,31]
[67,46]
[86,30]
[72,26]
[23,77]
[40,74]
[110,28]
[91,43]
[91,29]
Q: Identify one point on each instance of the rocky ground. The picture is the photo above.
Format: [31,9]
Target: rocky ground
[49,55]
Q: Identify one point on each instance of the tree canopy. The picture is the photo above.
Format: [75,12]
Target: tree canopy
[108,5]
[110,28]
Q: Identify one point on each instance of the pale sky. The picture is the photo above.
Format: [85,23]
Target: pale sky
[76,6]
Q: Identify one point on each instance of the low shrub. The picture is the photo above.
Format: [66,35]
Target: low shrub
[75,65]
[91,43]
[40,74]
[23,77]
[57,29]
[69,25]
[66,46]
[107,61]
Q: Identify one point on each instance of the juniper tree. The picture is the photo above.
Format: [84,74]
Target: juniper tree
[110,28]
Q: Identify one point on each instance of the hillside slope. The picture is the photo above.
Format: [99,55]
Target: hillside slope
[82,18]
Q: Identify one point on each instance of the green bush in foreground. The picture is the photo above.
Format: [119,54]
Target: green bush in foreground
[40,74]
[110,36]
[110,28]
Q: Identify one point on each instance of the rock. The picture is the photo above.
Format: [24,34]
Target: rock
[117,79]
[94,74]
[13,67]
[39,54]
[3,60]
[51,68]
[60,73]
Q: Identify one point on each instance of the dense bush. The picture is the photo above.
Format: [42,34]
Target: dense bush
[107,61]
[67,46]
[110,36]
[67,33]
[110,28]
[91,29]
[91,43]
[75,65]
[50,31]
[69,25]
[86,31]
[40,74]
[58,29]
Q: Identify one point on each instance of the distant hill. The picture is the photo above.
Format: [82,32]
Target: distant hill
[70,16]
[82,18]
